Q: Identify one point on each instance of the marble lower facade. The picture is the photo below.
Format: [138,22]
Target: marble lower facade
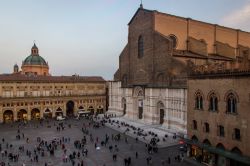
[157,106]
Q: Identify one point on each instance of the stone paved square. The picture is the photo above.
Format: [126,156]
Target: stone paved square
[47,131]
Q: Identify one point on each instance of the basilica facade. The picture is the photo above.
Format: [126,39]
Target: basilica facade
[33,93]
[150,85]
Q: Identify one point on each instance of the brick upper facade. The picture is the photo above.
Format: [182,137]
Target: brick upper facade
[165,62]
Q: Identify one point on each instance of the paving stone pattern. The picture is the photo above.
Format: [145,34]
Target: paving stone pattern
[47,131]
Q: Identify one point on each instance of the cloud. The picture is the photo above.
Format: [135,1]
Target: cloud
[238,19]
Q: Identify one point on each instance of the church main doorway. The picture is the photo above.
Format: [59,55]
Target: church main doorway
[161,116]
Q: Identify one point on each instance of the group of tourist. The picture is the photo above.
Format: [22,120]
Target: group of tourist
[47,148]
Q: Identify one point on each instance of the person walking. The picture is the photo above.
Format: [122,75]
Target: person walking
[169,160]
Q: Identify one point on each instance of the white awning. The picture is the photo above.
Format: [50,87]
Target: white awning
[83,112]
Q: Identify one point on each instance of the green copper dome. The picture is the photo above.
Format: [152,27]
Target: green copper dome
[35,60]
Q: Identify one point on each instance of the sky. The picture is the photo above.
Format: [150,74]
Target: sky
[85,37]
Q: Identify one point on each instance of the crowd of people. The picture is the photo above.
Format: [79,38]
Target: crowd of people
[43,148]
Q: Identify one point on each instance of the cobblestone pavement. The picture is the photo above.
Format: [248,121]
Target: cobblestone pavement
[47,131]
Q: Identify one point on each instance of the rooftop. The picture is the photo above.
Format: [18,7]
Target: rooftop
[49,79]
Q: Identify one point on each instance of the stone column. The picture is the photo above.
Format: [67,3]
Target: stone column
[75,108]
[15,114]
[41,112]
[53,111]
[1,114]
[64,109]
[29,113]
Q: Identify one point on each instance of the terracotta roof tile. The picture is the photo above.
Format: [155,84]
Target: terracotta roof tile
[51,79]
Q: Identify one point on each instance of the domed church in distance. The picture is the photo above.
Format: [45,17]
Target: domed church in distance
[32,93]
[34,64]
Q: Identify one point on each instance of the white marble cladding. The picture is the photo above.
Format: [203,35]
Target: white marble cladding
[164,106]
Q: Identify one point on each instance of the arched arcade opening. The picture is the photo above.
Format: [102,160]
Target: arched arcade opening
[91,109]
[8,116]
[35,114]
[70,108]
[47,113]
[59,111]
[22,115]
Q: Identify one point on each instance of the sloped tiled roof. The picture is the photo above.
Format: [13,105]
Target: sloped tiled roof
[49,79]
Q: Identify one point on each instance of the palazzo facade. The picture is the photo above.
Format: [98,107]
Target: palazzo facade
[218,118]
[150,84]
[35,97]
[34,94]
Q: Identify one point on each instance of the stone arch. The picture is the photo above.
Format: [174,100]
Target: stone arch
[35,114]
[124,105]
[231,92]
[213,99]
[160,112]
[81,108]
[231,98]
[59,111]
[220,146]
[199,92]
[211,93]
[47,114]
[70,108]
[99,109]
[138,91]
[8,116]
[22,115]
[207,142]
[236,150]
[91,109]
[199,98]
[138,94]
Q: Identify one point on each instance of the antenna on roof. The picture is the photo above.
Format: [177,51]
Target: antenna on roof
[141,6]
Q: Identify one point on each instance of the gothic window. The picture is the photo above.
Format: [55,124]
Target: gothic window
[221,131]
[174,40]
[206,129]
[213,102]
[231,103]
[198,101]
[140,47]
[236,135]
